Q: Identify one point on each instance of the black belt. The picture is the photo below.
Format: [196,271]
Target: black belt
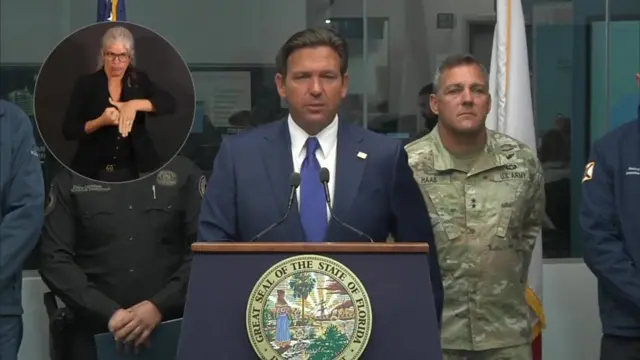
[115,167]
[115,173]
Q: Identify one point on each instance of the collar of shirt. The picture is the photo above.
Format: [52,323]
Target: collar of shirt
[494,154]
[328,138]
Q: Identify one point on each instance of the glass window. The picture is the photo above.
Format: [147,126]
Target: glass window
[552,65]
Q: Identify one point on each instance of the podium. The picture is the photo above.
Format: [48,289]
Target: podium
[370,301]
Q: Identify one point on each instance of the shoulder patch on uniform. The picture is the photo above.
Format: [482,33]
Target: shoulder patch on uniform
[588,171]
[167,178]
[202,185]
[51,203]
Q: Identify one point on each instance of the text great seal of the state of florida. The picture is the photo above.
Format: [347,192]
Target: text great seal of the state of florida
[309,307]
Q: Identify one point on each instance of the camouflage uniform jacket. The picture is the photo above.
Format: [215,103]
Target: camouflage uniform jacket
[486,223]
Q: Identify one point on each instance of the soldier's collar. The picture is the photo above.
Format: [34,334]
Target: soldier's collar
[495,156]
[442,161]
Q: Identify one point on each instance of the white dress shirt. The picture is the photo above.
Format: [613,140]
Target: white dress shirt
[326,155]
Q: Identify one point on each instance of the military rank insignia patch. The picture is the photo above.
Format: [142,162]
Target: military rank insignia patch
[588,171]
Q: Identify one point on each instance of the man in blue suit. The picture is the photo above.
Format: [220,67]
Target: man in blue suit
[369,176]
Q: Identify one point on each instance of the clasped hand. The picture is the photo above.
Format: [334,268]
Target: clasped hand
[134,325]
[126,115]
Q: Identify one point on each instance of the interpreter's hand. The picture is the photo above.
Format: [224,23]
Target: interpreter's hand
[148,317]
[110,116]
[638,79]
[127,116]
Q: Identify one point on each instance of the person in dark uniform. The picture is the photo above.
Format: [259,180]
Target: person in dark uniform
[610,228]
[107,112]
[118,255]
[430,118]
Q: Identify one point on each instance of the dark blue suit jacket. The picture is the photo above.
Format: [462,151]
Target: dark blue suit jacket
[249,190]
[21,202]
[610,228]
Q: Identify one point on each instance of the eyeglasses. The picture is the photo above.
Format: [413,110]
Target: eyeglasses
[113,56]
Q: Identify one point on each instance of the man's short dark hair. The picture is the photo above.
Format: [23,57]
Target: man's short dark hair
[310,38]
[454,61]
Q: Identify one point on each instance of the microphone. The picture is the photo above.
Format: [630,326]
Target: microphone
[324,179]
[294,182]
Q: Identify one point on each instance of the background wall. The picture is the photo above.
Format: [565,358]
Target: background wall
[224,32]
[416,44]
[623,89]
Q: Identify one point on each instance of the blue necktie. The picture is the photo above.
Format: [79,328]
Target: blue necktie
[313,208]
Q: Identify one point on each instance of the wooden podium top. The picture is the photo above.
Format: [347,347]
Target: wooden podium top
[302,247]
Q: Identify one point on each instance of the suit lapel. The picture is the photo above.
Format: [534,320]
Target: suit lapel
[349,170]
[276,153]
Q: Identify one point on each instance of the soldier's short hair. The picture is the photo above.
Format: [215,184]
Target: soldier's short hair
[310,38]
[454,61]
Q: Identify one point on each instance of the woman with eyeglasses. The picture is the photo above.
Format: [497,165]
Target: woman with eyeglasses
[107,113]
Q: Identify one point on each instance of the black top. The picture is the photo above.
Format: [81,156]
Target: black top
[111,246]
[105,146]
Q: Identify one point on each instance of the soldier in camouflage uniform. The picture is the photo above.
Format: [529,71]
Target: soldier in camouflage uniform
[485,194]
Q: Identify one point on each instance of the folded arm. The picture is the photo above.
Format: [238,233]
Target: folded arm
[157,100]
[75,126]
